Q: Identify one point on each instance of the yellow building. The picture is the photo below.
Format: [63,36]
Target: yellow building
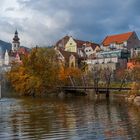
[69,44]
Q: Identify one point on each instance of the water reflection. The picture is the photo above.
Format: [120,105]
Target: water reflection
[71,118]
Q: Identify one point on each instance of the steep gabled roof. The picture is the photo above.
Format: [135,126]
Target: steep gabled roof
[62,42]
[81,43]
[118,38]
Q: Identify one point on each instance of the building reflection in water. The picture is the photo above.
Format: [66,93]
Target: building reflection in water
[69,118]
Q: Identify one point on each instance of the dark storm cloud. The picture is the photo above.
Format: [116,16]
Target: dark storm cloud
[49,20]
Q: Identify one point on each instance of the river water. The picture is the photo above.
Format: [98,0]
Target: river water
[71,118]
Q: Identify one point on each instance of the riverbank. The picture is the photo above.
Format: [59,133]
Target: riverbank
[134,99]
[129,98]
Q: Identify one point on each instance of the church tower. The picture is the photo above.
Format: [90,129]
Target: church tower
[15,43]
[6,58]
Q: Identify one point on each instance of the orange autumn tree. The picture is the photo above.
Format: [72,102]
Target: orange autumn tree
[37,75]
[65,72]
[135,76]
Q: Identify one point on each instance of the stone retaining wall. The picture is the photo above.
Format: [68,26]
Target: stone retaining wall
[134,99]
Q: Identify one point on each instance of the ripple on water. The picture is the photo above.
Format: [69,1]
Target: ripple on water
[80,119]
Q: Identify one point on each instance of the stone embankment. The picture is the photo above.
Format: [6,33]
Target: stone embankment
[135,99]
[134,96]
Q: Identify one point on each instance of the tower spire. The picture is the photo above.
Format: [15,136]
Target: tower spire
[16,32]
[6,58]
[15,43]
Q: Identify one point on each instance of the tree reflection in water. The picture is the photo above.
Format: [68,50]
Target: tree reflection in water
[69,118]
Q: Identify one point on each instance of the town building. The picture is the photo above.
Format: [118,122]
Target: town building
[74,51]
[15,43]
[112,59]
[128,41]
[12,55]
[67,59]
[82,48]
[113,63]
[6,58]
[4,61]
[120,53]
[16,52]
[115,51]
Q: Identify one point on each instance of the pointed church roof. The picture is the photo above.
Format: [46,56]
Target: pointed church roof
[16,38]
[16,32]
[6,52]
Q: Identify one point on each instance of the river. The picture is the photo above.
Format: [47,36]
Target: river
[71,118]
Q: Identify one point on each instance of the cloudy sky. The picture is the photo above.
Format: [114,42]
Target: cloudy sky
[43,22]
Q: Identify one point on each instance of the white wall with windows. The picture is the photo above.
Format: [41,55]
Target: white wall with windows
[88,51]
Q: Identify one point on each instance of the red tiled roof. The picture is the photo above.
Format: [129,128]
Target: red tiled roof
[81,43]
[119,38]
[22,50]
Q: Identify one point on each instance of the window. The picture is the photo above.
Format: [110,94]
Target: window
[97,62]
[113,45]
[125,43]
[102,46]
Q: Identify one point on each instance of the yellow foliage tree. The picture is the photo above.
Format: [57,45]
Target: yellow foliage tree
[38,74]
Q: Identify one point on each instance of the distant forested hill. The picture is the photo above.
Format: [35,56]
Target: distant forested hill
[5,45]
